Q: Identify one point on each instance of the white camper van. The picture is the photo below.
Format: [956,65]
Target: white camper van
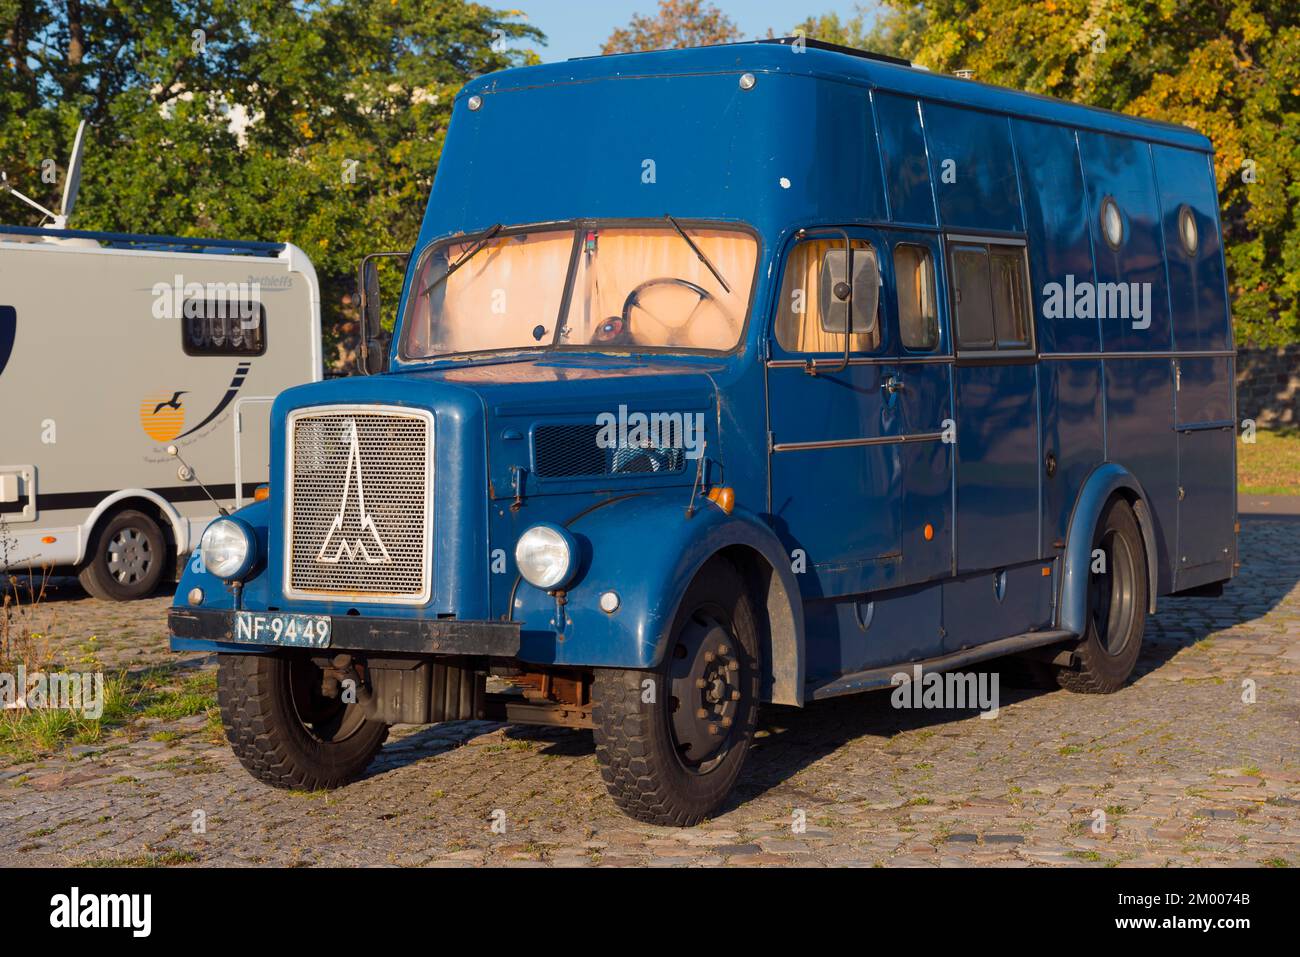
[129,367]
[136,374]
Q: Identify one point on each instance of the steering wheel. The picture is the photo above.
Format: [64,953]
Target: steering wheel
[618,329]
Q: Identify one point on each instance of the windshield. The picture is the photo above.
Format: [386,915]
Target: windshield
[632,288]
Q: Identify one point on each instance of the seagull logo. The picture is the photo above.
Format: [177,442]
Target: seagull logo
[357,549]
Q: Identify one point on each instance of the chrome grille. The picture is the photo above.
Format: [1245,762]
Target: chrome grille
[359,503]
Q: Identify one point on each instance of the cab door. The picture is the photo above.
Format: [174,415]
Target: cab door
[834,419]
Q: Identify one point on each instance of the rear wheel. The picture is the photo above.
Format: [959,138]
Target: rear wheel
[284,731]
[126,558]
[671,742]
[1117,606]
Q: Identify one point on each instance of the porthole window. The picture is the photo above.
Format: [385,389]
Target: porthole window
[1187,232]
[1112,223]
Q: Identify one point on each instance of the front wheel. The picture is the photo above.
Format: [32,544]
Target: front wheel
[671,742]
[284,731]
[1117,606]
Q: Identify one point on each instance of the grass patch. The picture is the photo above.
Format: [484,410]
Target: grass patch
[27,735]
[166,859]
[197,694]
[1271,464]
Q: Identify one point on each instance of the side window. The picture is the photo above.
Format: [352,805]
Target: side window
[918,318]
[807,318]
[223,328]
[972,298]
[1010,297]
[991,297]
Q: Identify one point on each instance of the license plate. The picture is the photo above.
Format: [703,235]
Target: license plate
[294,631]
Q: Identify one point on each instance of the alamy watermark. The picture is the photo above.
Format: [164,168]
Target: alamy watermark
[946,690]
[179,299]
[1098,300]
[56,691]
[653,430]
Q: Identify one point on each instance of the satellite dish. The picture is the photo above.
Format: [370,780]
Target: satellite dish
[73,182]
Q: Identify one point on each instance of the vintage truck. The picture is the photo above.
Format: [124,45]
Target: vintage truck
[749,373]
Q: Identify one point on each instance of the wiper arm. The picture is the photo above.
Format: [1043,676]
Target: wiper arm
[464,258]
[700,253]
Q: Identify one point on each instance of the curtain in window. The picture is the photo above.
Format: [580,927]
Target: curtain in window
[798,318]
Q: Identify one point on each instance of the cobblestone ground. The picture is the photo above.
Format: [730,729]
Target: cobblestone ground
[1184,770]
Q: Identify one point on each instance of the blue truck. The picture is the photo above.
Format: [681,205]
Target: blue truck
[749,373]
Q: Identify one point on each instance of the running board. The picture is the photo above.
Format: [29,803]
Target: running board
[876,678]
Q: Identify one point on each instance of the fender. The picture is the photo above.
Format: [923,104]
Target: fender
[180,527]
[646,550]
[1101,484]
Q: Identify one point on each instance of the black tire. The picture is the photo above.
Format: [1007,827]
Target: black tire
[126,559]
[284,732]
[662,763]
[1117,607]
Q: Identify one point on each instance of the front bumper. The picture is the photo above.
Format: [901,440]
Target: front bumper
[196,630]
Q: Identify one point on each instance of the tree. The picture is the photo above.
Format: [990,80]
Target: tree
[1228,68]
[678,24]
[872,27]
[318,122]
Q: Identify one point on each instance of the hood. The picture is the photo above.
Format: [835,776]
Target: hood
[549,419]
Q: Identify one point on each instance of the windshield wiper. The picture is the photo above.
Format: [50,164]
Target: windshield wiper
[464,258]
[700,253]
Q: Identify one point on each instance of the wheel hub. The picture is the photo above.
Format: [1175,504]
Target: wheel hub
[129,556]
[705,681]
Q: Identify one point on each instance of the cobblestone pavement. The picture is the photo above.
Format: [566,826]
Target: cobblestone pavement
[1184,770]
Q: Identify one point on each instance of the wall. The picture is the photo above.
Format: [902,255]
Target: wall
[1268,386]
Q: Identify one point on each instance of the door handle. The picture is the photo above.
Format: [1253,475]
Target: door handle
[893,384]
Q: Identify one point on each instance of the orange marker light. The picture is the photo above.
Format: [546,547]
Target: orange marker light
[929,531]
[49,539]
[261,493]
[1047,571]
[724,498]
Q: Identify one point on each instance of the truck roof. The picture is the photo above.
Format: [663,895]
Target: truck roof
[841,64]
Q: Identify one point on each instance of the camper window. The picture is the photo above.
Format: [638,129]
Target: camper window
[991,296]
[972,297]
[223,328]
[918,318]
[800,325]
[1009,297]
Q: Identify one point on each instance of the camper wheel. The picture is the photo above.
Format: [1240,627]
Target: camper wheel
[1117,607]
[126,558]
[671,742]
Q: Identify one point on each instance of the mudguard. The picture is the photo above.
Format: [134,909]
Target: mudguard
[1101,484]
[646,550]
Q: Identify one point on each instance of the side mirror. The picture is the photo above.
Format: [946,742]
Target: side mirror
[834,292]
[374,339]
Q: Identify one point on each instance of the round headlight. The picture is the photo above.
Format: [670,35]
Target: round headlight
[228,548]
[547,556]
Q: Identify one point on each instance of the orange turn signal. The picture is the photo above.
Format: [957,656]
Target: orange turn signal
[261,493]
[929,531]
[724,498]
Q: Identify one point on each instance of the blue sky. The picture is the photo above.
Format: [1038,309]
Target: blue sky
[580,27]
